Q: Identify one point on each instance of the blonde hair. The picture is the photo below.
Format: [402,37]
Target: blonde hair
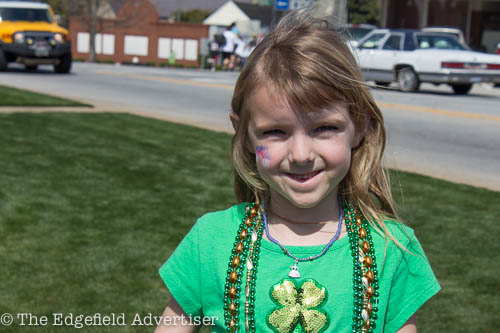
[305,62]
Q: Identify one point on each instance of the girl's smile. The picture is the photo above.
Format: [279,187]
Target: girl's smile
[303,178]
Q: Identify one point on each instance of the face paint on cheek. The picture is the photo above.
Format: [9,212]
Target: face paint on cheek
[262,155]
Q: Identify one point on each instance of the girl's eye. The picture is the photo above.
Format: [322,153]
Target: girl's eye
[274,132]
[326,129]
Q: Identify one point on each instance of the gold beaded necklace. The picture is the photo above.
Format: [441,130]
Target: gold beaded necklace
[245,254]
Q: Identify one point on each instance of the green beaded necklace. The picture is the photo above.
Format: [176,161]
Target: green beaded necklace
[246,252]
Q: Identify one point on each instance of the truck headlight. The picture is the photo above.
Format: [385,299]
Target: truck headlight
[59,38]
[18,37]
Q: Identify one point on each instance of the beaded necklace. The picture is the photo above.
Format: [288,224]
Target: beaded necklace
[294,270]
[246,252]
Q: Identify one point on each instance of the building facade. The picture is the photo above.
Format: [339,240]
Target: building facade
[138,35]
[479,20]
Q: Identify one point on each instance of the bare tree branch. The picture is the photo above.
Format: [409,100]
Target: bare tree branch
[99,15]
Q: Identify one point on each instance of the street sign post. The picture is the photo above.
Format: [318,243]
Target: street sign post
[282,4]
[297,4]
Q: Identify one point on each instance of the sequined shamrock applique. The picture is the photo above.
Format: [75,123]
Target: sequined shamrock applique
[298,307]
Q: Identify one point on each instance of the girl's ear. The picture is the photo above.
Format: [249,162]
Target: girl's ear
[235,120]
[360,133]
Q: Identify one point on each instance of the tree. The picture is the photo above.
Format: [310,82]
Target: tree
[60,7]
[91,6]
[97,15]
[87,10]
[363,11]
[192,16]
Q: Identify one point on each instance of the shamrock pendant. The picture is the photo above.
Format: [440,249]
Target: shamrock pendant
[294,271]
[298,307]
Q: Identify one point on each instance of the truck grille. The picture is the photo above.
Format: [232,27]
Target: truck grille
[38,36]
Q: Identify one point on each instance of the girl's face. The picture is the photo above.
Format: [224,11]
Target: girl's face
[301,156]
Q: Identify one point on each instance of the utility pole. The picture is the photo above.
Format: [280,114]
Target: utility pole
[178,13]
[335,8]
[384,5]
[340,11]
[273,17]
[92,29]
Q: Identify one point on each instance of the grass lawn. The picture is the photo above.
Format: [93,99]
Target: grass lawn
[91,205]
[17,97]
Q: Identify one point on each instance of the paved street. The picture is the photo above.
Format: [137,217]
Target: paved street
[433,132]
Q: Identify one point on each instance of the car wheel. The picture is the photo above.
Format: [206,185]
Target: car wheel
[3,61]
[461,89]
[382,84]
[31,67]
[408,79]
[64,64]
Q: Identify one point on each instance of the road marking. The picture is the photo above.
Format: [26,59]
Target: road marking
[168,79]
[404,107]
[437,111]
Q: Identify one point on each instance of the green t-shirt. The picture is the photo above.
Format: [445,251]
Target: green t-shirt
[196,272]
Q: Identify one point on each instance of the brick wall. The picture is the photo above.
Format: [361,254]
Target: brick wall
[137,36]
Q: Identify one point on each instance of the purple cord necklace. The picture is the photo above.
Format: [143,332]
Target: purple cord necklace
[294,270]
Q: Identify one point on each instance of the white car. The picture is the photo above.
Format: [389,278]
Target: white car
[353,33]
[447,30]
[410,57]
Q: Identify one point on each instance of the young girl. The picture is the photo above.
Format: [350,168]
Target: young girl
[313,245]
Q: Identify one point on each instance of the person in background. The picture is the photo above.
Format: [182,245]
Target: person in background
[239,52]
[235,29]
[249,47]
[214,54]
[259,38]
[228,48]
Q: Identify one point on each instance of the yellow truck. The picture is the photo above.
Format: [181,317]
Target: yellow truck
[30,35]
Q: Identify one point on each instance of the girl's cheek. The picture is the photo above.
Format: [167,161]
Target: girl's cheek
[263,157]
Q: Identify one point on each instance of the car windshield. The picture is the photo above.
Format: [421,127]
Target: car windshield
[440,42]
[25,14]
[373,41]
[356,33]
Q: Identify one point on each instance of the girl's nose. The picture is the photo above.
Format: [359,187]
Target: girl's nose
[300,150]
